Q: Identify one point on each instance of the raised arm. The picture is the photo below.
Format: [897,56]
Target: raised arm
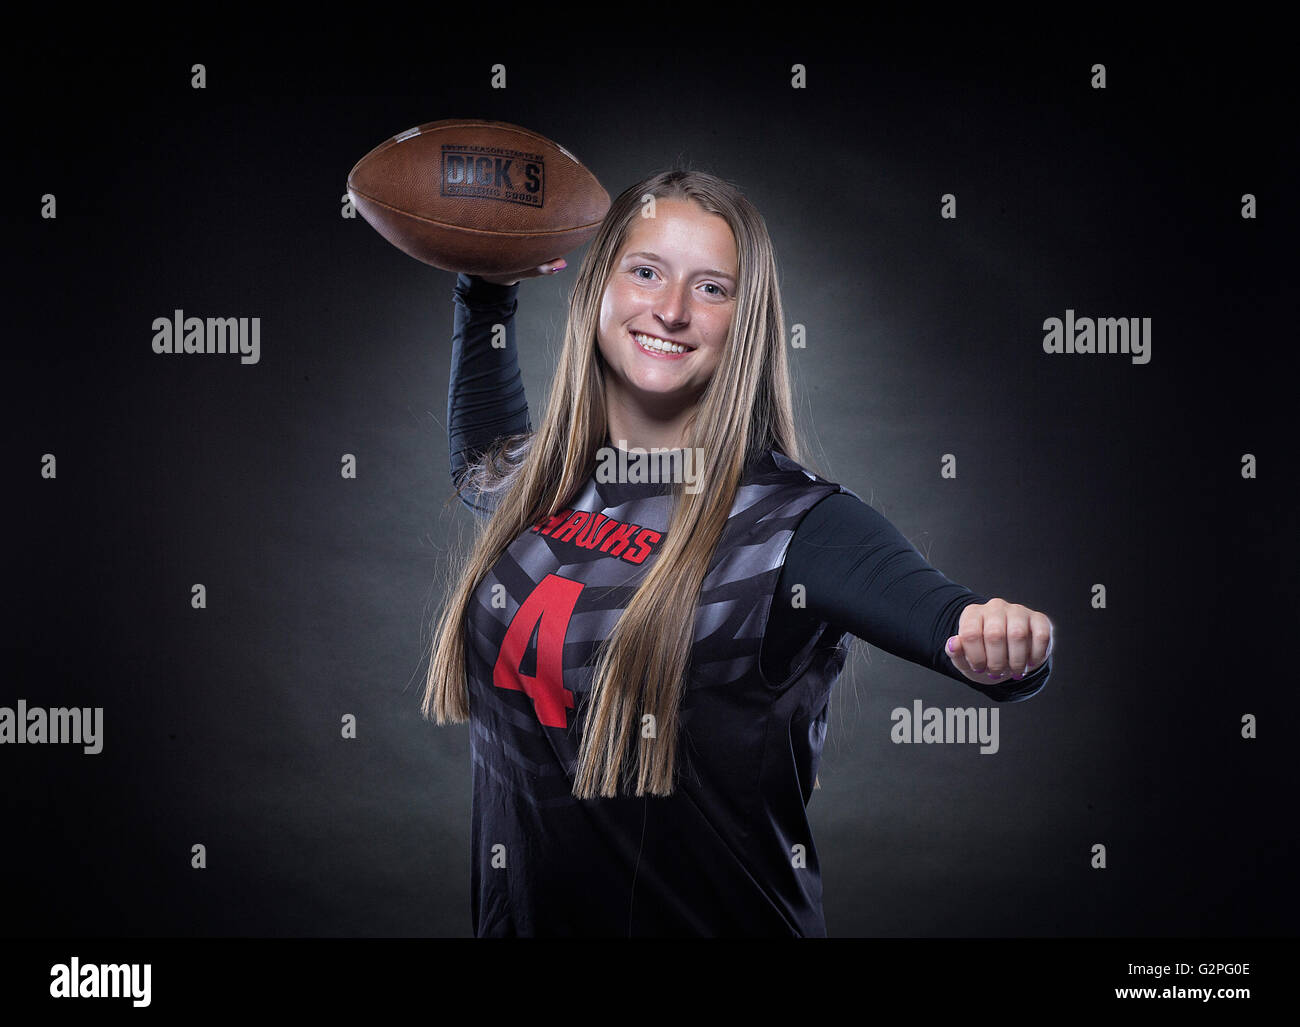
[485,393]
[862,576]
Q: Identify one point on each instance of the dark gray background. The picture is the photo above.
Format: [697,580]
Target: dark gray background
[222,725]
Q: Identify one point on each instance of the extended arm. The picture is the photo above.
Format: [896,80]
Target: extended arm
[862,576]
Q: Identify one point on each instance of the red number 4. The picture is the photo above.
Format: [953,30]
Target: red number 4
[551,603]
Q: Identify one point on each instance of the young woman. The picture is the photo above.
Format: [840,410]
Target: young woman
[646,663]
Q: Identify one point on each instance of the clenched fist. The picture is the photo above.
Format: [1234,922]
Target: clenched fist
[997,639]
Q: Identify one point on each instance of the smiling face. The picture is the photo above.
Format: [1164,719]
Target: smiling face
[664,316]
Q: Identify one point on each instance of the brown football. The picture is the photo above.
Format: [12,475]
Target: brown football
[482,197]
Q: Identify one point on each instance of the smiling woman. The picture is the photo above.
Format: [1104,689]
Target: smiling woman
[647,667]
[663,320]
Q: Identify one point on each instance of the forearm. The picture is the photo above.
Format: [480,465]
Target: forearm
[485,392]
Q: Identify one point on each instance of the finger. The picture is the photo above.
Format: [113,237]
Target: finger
[1041,648]
[995,643]
[515,277]
[956,655]
[1018,639]
[972,639]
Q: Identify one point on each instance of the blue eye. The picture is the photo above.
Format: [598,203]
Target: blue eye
[651,273]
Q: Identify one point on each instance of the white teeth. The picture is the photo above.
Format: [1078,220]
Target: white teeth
[650,342]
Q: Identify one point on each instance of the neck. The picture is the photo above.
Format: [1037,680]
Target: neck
[631,427]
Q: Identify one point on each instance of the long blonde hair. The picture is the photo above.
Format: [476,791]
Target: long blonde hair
[745,409]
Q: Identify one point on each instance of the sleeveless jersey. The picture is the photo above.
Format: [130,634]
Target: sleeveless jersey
[730,853]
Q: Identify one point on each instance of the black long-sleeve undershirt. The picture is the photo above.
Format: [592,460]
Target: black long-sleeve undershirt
[859,573]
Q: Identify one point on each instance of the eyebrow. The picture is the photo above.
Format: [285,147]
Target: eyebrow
[654,256]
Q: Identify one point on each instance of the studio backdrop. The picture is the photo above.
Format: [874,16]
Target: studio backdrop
[1037,315]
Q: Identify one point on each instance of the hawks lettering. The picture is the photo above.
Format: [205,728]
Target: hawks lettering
[590,530]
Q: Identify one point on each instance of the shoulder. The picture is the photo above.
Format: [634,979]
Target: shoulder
[776,489]
[773,469]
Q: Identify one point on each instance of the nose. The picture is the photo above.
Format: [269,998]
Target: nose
[673,307]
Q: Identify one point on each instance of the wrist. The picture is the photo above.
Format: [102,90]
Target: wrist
[476,290]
